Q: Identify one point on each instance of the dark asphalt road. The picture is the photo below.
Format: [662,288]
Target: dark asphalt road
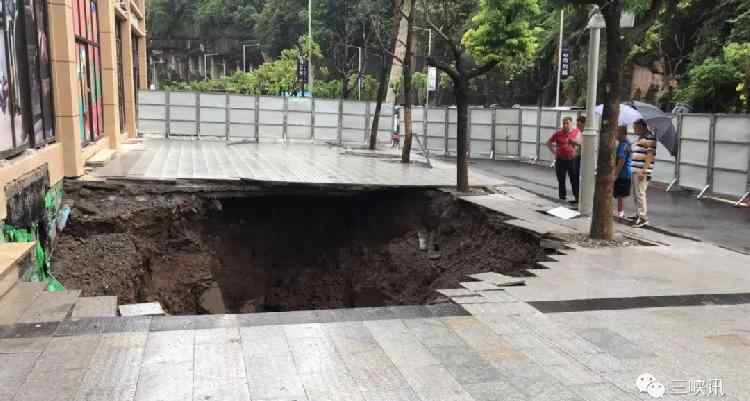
[676,211]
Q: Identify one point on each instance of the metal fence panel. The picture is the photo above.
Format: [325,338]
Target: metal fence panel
[241,102]
[664,167]
[299,104]
[326,106]
[181,128]
[152,97]
[268,117]
[239,116]
[178,98]
[152,112]
[213,129]
[731,155]
[694,151]
[213,115]
[241,131]
[326,120]
[182,113]
[208,100]
[351,107]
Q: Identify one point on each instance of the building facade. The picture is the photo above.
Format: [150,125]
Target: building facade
[70,71]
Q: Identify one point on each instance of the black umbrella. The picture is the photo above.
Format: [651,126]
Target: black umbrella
[659,122]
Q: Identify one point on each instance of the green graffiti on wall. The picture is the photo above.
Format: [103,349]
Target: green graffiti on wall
[40,270]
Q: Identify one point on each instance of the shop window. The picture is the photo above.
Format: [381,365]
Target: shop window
[26,115]
[89,69]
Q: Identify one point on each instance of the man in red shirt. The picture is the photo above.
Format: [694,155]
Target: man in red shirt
[563,145]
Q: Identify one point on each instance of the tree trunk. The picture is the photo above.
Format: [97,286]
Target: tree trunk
[406,83]
[462,125]
[382,90]
[386,73]
[602,224]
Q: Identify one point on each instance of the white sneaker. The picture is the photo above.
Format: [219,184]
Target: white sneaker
[640,223]
[621,214]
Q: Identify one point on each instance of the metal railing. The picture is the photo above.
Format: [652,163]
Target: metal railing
[713,149]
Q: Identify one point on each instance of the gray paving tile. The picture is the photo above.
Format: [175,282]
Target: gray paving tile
[556,392]
[88,307]
[435,383]
[126,393]
[401,394]
[218,357]
[68,353]
[613,343]
[171,323]
[222,391]
[433,333]
[57,385]
[331,386]
[547,356]
[351,338]
[447,309]
[603,392]
[400,344]
[50,307]
[82,326]
[165,382]
[27,330]
[456,292]
[14,368]
[18,345]
[477,286]
[264,340]
[269,364]
[465,365]
[115,365]
[166,348]
[315,355]
[496,390]
[135,324]
[574,374]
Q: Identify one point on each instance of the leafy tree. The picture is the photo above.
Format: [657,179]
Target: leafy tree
[720,84]
[279,25]
[479,36]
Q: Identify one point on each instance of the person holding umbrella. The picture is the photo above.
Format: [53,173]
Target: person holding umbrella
[642,166]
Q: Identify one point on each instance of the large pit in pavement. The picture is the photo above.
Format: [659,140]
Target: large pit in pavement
[213,250]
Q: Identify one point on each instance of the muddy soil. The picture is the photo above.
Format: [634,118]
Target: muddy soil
[239,252]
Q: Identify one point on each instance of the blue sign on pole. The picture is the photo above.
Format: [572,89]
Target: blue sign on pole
[565,61]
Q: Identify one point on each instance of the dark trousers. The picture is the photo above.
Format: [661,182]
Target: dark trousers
[569,168]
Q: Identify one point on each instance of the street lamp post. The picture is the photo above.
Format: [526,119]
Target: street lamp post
[591,132]
[205,63]
[559,58]
[429,53]
[359,71]
[310,47]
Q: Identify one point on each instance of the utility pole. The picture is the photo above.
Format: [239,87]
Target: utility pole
[559,58]
[429,53]
[309,45]
[591,132]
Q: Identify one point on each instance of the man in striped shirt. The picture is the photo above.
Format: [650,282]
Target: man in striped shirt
[642,165]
